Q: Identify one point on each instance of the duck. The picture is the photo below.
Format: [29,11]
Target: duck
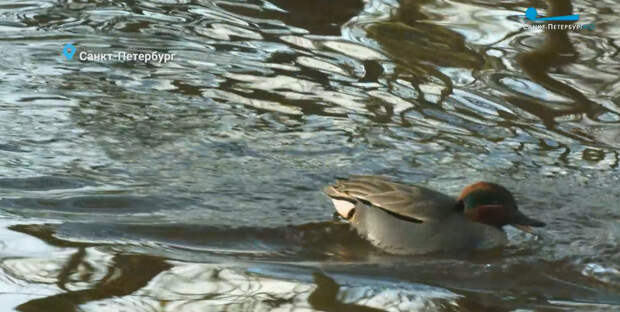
[410,219]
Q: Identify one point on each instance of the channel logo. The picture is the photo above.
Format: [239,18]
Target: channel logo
[68,50]
[532,15]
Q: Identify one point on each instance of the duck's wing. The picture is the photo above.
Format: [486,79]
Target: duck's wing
[410,201]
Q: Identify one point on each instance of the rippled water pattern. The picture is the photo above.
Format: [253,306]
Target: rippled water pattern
[194,185]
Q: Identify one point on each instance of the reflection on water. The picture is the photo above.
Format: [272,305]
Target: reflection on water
[85,277]
[195,184]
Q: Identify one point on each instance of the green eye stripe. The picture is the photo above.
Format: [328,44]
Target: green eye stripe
[481,197]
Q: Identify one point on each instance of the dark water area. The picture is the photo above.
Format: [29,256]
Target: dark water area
[195,184]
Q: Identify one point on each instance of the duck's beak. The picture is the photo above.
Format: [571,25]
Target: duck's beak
[524,223]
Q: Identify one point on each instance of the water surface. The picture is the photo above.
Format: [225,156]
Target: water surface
[195,185]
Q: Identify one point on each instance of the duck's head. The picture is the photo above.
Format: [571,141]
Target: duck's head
[494,205]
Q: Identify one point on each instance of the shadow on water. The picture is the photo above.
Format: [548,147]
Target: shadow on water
[322,17]
[483,280]
[420,49]
[129,273]
[555,51]
[324,297]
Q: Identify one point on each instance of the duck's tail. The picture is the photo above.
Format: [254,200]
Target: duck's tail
[344,204]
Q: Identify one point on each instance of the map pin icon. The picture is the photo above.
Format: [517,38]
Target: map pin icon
[68,51]
[531,14]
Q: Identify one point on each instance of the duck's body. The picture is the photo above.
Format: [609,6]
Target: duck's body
[398,236]
[404,219]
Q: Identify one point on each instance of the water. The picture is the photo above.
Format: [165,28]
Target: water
[195,185]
